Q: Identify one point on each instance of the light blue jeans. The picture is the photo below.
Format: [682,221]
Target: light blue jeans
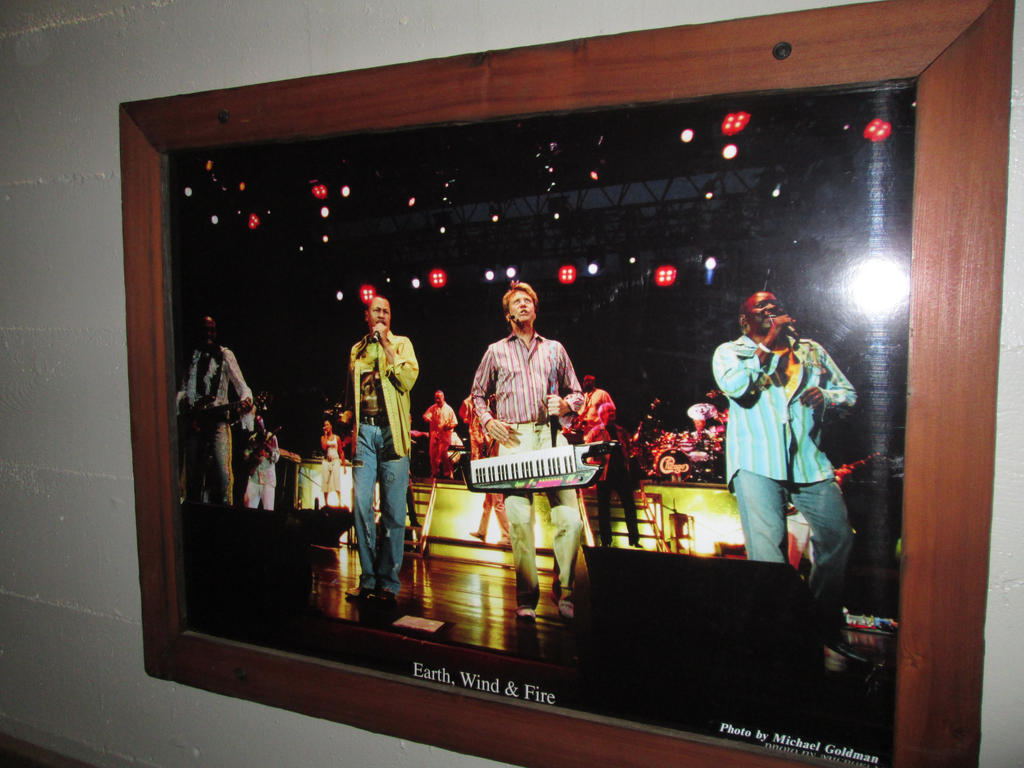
[371,465]
[565,517]
[762,502]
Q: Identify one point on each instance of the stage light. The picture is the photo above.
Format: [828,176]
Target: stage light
[209,165]
[729,151]
[443,229]
[254,221]
[777,191]
[686,136]
[709,195]
[188,191]
[632,259]
[664,275]
[339,296]
[495,217]
[346,191]
[325,212]
[489,275]
[511,272]
[735,122]
[412,201]
[438,278]
[594,175]
[877,130]
[215,219]
[557,206]
[709,269]
[325,238]
[415,282]
[367,293]
[567,274]
[241,186]
[593,268]
[319,191]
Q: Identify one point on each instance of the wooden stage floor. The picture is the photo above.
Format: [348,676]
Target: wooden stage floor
[475,601]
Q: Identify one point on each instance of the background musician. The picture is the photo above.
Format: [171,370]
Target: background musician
[261,455]
[481,446]
[330,467]
[533,381]
[779,387]
[203,402]
[593,398]
[441,420]
[614,477]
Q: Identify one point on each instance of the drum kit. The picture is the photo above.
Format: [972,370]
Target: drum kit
[696,456]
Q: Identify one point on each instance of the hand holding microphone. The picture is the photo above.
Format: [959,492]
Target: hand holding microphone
[781,324]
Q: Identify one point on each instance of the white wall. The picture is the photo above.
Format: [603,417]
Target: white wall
[71,673]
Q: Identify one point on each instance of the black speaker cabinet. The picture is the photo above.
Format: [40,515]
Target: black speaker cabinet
[689,640]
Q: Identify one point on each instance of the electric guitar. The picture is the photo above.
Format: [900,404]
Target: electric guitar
[202,416]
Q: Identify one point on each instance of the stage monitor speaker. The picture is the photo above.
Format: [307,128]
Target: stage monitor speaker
[247,571]
[683,640]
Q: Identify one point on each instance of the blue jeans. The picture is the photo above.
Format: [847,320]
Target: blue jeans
[375,461]
[762,502]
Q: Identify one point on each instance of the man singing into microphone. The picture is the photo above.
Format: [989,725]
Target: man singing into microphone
[534,383]
[779,387]
[382,371]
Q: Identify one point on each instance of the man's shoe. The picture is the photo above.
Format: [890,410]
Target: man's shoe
[525,613]
[387,596]
[359,594]
[566,609]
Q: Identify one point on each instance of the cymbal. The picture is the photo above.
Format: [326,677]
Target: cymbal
[702,411]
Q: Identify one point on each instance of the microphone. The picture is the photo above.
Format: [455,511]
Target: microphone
[789,329]
[376,337]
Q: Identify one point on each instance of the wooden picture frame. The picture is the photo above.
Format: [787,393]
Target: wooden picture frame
[960,55]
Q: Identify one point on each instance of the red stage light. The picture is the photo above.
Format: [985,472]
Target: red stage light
[878,130]
[664,275]
[438,278]
[254,221]
[594,175]
[367,293]
[320,191]
[567,274]
[735,122]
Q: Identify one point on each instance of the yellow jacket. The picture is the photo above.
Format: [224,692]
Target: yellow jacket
[396,382]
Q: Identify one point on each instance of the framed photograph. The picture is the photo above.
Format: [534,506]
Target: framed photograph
[325,281]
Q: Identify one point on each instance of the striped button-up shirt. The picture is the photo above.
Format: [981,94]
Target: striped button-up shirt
[770,432]
[521,377]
